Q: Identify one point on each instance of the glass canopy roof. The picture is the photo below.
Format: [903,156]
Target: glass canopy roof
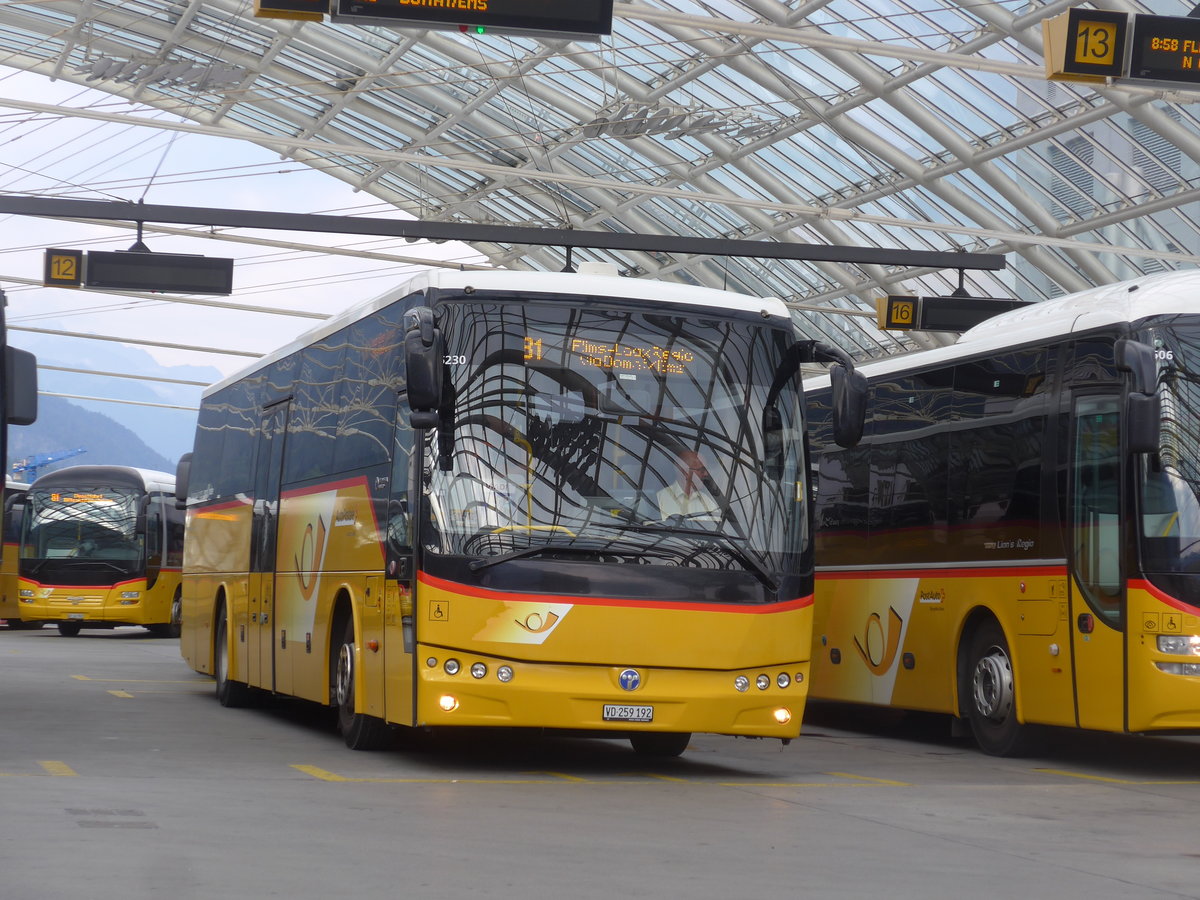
[920,125]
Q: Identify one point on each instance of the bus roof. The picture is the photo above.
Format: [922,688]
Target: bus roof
[1110,304]
[127,476]
[526,282]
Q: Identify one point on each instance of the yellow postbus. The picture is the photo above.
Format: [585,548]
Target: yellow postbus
[101,546]
[445,507]
[14,509]
[1016,540]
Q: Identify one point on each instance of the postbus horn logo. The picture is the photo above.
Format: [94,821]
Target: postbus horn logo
[630,680]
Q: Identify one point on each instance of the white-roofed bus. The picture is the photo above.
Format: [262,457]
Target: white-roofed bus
[441,509]
[1016,540]
[101,546]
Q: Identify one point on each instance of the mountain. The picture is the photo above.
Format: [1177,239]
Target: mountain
[64,426]
[167,433]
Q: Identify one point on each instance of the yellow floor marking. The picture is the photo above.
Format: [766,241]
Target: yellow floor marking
[123,694]
[325,775]
[869,779]
[1101,778]
[143,680]
[561,777]
[54,767]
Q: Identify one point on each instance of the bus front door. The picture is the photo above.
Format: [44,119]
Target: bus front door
[1097,582]
[260,634]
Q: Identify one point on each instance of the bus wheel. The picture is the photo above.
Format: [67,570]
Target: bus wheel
[232,694]
[69,629]
[171,629]
[660,744]
[992,696]
[360,731]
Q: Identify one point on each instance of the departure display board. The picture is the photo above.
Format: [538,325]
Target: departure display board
[1165,48]
[577,18]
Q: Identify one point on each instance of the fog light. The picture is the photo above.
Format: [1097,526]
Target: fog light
[505,674]
[478,670]
[448,703]
[127,603]
[783,679]
[451,667]
[782,715]
[762,682]
[742,683]
[1174,668]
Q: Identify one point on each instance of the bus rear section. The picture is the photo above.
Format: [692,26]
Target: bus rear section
[14,509]
[101,546]
[541,501]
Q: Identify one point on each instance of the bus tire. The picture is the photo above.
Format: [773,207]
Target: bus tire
[170,629]
[991,695]
[232,694]
[69,629]
[359,731]
[660,744]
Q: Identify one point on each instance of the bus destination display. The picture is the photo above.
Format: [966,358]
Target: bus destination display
[579,18]
[1165,48]
[618,355]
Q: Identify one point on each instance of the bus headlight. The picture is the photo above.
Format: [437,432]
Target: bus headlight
[451,666]
[505,674]
[478,670]
[762,682]
[1179,644]
[742,683]
[448,703]
[783,679]
[25,592]
[130,595]
[783,715]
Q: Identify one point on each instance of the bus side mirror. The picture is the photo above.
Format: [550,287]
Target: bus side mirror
[424,352]
[183,474]
[20,387]
[849,389]
[1143,415]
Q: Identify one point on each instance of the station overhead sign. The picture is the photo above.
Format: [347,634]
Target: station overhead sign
[1085,44]
[903,312]
[578,19]
[125,270]
[304,10]
[1165,48]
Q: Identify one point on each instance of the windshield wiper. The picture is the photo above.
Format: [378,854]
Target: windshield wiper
[750,560]
[477,564]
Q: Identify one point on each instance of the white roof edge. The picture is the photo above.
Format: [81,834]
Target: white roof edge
[616,287]
[1110,304]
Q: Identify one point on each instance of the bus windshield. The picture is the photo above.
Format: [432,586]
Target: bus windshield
[90,532]
[1170,495]
[599,434]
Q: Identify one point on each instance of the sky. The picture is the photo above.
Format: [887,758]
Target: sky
[69,157]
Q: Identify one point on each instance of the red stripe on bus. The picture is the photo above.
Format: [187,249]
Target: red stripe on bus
[85,587]
[1142,585]
[948,572]
[327,486]
[489,594]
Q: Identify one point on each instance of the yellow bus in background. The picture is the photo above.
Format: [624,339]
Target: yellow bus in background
[443,509]
[101,546]
[1016,540]
[14,509]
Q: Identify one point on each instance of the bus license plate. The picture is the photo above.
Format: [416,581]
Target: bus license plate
[623,712]
[74,615]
